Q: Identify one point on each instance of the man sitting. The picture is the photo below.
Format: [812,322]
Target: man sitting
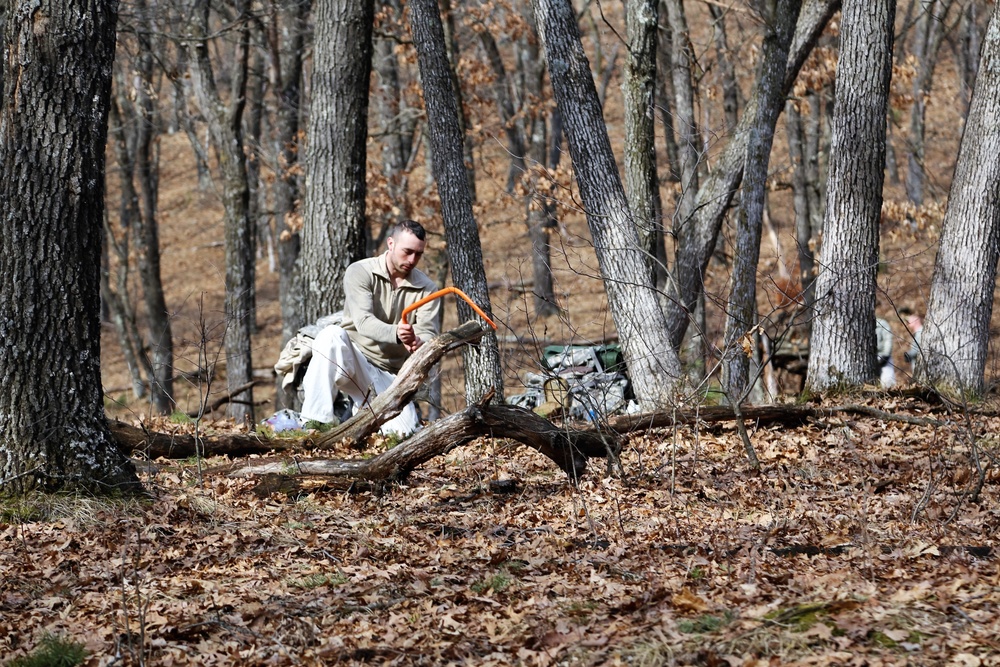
[362,356]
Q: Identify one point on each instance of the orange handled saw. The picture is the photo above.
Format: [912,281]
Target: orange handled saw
[442,292]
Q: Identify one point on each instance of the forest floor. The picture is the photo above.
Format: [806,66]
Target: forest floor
[858,543]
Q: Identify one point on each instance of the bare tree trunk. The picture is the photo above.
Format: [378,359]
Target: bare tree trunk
[804,233]
[399,123]
[641,182]
[684,114]
[697,234]
[334,227]
[287,41]
[225,127]
[653,363]
[665,91]
[955,337]
[727,76]
[545,149]
[842,351]
[451,46]
[779,18]
[969,49]
[483,371]
[146,237]
[52,140]
[926,44]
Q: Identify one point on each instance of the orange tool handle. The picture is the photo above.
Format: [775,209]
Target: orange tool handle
[440,293]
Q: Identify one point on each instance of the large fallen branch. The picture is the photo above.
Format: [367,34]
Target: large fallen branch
[410,378]
[569,449]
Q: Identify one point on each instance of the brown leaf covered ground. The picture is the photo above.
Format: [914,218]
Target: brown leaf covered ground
[858,544]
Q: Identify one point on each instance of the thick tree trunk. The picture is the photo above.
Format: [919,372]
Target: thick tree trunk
[653,363]
[842,349]
[956,333]
[639,86]
[697,233]
[334,229]
[53,433]
[779,18]
[482,365]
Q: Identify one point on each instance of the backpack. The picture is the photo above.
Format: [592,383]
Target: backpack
[587,382]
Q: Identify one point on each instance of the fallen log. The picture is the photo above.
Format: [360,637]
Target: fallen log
[567,448]
[153,445]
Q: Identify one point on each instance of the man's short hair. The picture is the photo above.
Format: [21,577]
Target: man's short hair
[411,226]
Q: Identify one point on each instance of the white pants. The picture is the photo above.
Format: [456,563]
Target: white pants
[337,365]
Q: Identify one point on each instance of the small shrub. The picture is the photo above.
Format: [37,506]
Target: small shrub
[53,651]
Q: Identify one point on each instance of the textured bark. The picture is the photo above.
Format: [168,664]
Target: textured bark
[697,233]
[225,129]
[779,18]
[653,363]
[482,365]
[641,182]
[842,348]
[956,331]
[334,225]
[53,128]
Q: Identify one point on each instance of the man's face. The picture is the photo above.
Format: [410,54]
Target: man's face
[405,251]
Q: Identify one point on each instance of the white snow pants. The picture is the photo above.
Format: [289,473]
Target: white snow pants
[337,365]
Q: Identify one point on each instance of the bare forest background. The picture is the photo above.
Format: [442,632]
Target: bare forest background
[846,526]
[164,173]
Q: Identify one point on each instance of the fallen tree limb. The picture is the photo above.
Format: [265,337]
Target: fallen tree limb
[765,414]
[154,445]
[568,449]
[411,376]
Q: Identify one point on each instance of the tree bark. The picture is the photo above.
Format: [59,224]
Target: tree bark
[482,365]
[639,86]
[842,349]
[779,18]
[653,363]
[955,338]
[53,129]
[334,226]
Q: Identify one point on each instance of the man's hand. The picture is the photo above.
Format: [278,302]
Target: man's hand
[406,336]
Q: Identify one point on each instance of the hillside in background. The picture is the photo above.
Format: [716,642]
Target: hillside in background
[193,269]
